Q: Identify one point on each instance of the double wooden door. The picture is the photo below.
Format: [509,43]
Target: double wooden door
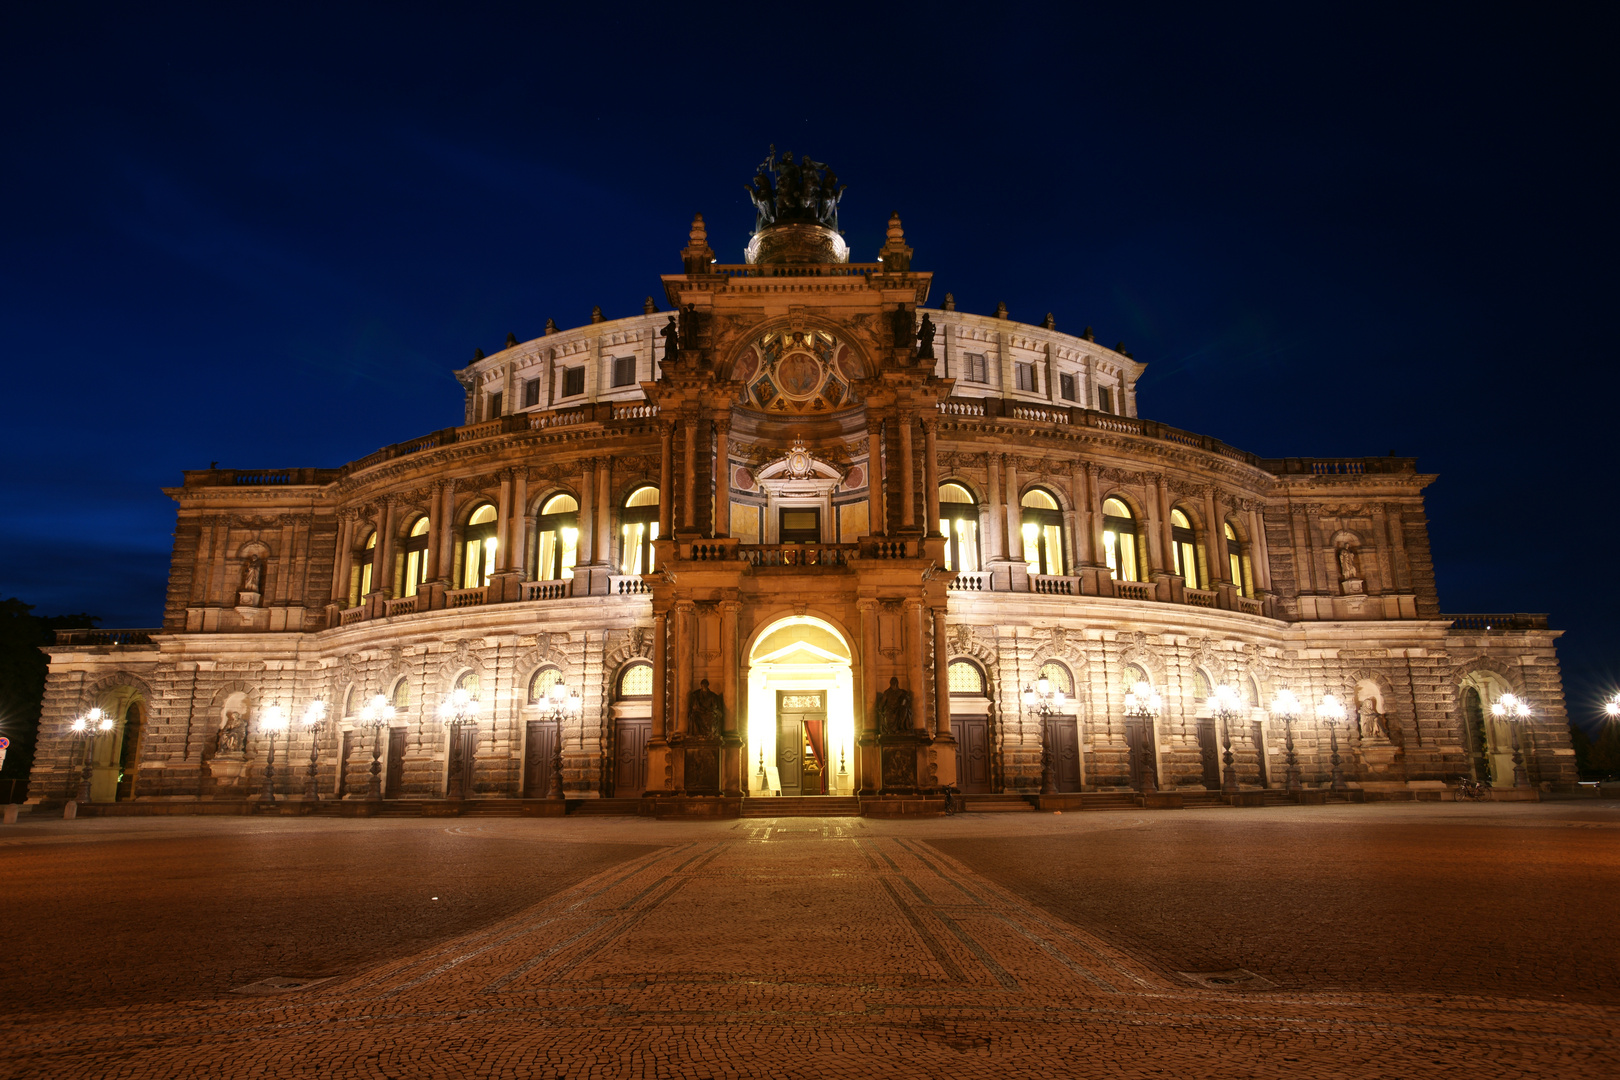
[539,747]
[1209,750]
[394,777]
[1139,738]
[801,725]
[1063,741]
[630,757]
[972,754]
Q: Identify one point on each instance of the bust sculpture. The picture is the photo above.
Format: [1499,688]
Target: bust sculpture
[893,709]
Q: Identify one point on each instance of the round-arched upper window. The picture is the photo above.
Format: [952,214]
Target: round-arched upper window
[560,504]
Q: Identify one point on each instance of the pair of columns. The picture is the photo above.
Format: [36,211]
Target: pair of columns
[902,426]
[677,631]
[691,429]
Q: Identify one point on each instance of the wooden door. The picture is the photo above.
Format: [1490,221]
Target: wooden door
[468,754]
[800,772]
[1210,752]
[630,757]
[790,754]
[1064,740]
[972,754]
[1137,738]
[1257,734]
[394,777]
[539,748]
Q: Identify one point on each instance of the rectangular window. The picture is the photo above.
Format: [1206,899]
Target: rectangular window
[1066,388]
[973,368]
[573,381]
[624,370]
[531,393]
[494,405]
[1105,399]
[1024,376]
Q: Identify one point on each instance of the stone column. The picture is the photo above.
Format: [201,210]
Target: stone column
[435,541]
[503,522]
[1259,554]
[931,473]
[382,567]
[874,476]
[1158,554]
[1014,512]
[683,664]
[942,682]
[722,479]
[1084,517]
[666,488]
[447,537]
[658,694]
[1215,539]
[584,556]
[993,533]
[1161,490]
[345,560]
[908,469]
[915,660]
[604,511]
[869,761]
[519,532]
[689,502]
[734,763]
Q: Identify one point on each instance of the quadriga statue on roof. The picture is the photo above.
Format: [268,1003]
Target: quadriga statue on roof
[785,192]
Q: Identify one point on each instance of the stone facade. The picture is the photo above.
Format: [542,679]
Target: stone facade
[789,430]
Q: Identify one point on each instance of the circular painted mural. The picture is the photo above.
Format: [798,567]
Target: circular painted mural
[797,371]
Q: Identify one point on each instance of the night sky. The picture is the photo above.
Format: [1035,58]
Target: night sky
[264,235]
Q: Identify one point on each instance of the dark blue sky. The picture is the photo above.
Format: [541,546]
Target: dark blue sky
[265,235]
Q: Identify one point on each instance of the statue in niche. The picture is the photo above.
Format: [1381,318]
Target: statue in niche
[893,710]
[904,321]
[252,574]
[1370,720]
[1348,568]
[232,735]
[705,712]
[925,339]
[671,334]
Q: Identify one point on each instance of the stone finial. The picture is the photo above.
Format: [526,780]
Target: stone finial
[478,354]
[700,233]
[511,340]
[1088,335]
[894,254]
[1049,322]
[896,233]
[597,316]
[551,326]
[1001,310]
[697,256]
[1122,350]
[648,307]
[950,302]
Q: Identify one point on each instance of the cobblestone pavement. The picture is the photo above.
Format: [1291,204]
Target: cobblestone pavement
[843,947]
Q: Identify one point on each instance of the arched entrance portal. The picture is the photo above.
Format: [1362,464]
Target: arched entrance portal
[801,710]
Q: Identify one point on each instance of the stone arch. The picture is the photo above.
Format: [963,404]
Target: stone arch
[251,548]
[550,490]
[1049,485]
[861,365]
[461,660]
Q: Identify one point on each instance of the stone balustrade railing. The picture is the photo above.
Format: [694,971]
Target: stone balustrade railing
[93,637]
[545,590]
[1497,623]
[972,581]
[462,598]
[1054,585]
[404,605]
[627,585]
[798,554]
[810,270]
[349,616]
[1133,590]
[1249,606]
[1201,597]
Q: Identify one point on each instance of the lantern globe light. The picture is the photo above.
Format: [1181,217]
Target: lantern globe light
[1285,703]
[1611,708]
[315,713]
[1043,686]
[80,724]
[1331,709]
[1029,697]
[275,719]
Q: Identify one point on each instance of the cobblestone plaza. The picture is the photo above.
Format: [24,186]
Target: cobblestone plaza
[1386,940]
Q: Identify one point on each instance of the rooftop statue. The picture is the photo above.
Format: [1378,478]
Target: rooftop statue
[805,193]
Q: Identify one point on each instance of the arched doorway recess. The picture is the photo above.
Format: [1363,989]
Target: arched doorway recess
[801,710]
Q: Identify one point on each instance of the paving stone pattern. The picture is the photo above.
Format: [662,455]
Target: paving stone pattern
[816,948]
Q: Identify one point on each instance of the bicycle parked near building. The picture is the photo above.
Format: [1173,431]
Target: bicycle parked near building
[1469,788]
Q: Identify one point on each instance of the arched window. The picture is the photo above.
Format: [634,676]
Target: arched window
[1058,675]
[638,529]
[1238,560]
[402,694]
[478,559]
[1134,674]
[1185,548]
[351,700]
[1254,691]
[541,682]
[368,556]
[1201,686]
[959,524]
[1043,532]
[636,681]
[415,549]
[964,677]
[468,681]
[557,532]
[1119,541]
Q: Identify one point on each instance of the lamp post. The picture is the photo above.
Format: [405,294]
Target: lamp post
[454,711]
[272,723]
[1331,712]
[1224,704]
[1286,705]
[1515,710]
[1142,702]
[1043,700]
[564,703]
[91,725]
[314,721]
[377,714]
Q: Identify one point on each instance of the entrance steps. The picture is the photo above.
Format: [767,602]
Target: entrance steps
[1004,803]
[802,806]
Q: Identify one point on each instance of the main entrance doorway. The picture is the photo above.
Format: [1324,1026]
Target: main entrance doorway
[801,710]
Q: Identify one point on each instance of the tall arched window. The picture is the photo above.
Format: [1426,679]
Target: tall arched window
[1043,532]
[1237,559]
[468,681]
[1201,687]
[1058,676]
[368,558]
[959,522]
[402,694]
[557,533]
[1119,541]
[1184,545]
[638,529]
[415,550]
[478,558]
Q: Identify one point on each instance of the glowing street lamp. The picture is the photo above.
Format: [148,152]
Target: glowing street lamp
[564,703]
[272,723]
[1287,706]
[1226,704]
[1331,712]
[377,714]
[1142,702]
[1611,708]
[459,709]
[314,721]
[1043,700]
[1515,710]
[92,724]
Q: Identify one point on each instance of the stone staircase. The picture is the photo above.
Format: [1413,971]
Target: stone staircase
[802,806]
[1006,803]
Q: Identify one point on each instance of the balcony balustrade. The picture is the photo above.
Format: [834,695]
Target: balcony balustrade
[972,581]
[1201,597]
[464,598]
[545,590]
[91,637]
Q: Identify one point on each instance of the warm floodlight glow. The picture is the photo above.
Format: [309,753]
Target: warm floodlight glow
[1331,710]
[274,719]
[1510,707]
[315,713]
[1285,704]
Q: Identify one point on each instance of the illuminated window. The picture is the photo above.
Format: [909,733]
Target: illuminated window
[1043,532]
[636,682]
[959,524]
[557,539]
[478,558]
[351,698]
[1185,549]
[415,549]
[638,528]
[1066,388]
[468,681]
[1238,562]
[402,694]
[540,684]
[1058,675]
[368,556]
[1119,541]
[964,677]
[1200,685]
